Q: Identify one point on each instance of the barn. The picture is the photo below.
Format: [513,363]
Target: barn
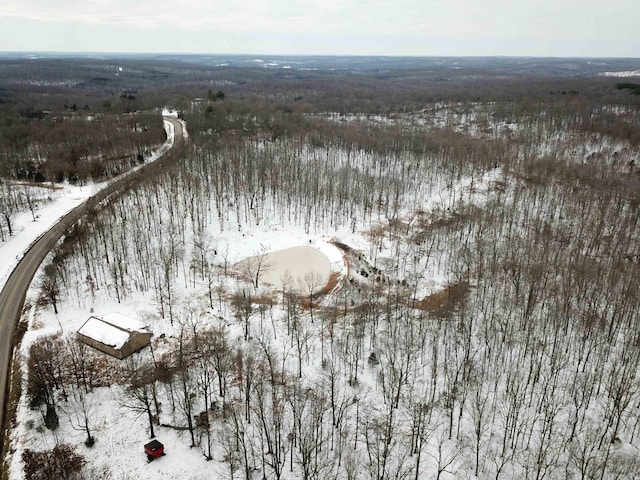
[115,334]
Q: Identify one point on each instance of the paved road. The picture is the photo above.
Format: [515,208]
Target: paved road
[13,295]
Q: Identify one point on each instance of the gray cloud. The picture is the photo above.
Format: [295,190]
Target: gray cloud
[402,26]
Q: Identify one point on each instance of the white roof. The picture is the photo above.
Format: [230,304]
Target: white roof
[122,321]
[105,333]
[113,329]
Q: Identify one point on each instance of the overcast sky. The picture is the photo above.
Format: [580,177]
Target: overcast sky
[609,28]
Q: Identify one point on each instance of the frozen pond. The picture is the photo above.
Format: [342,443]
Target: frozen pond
[301,269]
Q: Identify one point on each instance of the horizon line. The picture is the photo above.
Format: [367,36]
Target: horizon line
[320,55]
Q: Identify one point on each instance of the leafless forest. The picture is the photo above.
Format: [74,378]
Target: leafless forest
[524,193]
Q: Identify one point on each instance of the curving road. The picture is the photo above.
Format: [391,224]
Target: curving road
[13,294]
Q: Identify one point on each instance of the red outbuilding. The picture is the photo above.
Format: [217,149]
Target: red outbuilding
[154,449]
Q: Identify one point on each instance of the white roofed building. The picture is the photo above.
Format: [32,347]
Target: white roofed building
[115,334]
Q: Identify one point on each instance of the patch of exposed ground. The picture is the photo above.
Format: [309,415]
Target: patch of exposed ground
[332,283]
[428,223]
[444,303]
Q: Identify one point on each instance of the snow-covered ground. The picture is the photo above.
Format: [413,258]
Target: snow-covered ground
[623,74]
[121,433]
[64,198]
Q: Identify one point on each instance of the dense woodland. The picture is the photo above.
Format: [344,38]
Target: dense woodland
[524,365]
[40,148]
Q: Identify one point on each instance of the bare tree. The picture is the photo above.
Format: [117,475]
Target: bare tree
[242,304]
[61,462]
[446,453]
[255,267]
[46,378]
[81,410]
[313,453]
[49,286]
[138,395]
[310,283]
[8,206]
